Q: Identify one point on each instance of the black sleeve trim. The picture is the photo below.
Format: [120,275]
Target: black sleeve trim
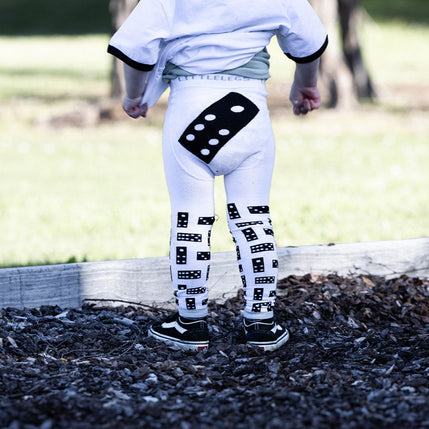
[127,60]
[310,58]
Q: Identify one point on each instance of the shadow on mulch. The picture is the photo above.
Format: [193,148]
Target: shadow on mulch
[358,357]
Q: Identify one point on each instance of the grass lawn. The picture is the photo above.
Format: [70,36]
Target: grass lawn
[98,193]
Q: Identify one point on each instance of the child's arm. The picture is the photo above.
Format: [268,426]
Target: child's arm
[304,94]
[135,82]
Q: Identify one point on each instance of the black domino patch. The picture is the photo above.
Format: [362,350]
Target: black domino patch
[181,287]
[189,274]
[275,263]
[238,253]
[250,234]
[196,290]
[209,220]
[204,301]
[182,219]
[265,280]
[258,209]
[257,308]
[203,256]
[215,126]
[184,236]
[243,281]
[190,303]
[253,222]
[269,231]
[258,265]
[272,293]
[264,247]
[258,293]
[232,211]
[181,255]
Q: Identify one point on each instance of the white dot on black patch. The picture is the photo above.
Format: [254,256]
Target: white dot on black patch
[210,117]
[237,109]
[205,152]
[213,142]
[223,132]
[199,127]
[190,137]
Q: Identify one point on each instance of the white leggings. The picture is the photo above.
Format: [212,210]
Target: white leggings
[220,125]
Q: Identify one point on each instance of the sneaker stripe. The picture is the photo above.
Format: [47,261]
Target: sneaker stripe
[276,328]
[175,325]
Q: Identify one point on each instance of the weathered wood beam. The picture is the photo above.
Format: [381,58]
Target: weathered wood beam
[147,281]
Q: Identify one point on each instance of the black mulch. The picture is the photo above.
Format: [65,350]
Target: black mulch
[358,357]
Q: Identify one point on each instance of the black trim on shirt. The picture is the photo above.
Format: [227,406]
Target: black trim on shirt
[310,58]
[127,60]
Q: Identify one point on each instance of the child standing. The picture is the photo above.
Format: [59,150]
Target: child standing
[213,56]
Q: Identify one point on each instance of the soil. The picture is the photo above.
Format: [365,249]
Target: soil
[358,357]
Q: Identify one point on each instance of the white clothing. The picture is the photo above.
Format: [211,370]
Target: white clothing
[246,161]
[204,37]
[217,124]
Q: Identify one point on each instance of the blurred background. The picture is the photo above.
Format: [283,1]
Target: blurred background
[80,181]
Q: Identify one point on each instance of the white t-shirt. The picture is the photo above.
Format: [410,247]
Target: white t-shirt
[208,36]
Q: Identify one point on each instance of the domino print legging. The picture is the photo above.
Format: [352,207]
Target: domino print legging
[219,125]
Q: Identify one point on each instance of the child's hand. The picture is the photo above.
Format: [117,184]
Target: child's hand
[304,99]
[132,107]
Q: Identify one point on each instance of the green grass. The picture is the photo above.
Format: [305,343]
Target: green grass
[98,193]
[396,55]
[410,11]
[54,69]
[353,183]
[77,194]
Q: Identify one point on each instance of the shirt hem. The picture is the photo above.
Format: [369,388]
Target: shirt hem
[127,60]
[309,58]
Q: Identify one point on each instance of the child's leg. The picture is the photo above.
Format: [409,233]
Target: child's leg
[249,221]
[250,225]
[190,258]
[192,217]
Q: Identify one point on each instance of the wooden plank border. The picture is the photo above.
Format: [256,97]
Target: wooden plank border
[147,281]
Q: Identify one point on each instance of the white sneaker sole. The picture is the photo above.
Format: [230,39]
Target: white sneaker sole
[272,345]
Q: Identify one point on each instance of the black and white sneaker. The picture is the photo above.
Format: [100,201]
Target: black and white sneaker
[266,334]
[188,334]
